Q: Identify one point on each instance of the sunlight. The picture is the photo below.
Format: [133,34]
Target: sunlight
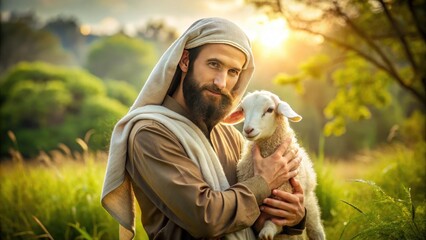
[85,29]
[271,34]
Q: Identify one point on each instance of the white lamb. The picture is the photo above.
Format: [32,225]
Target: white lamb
[266,124]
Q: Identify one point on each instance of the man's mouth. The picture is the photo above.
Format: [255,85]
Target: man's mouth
[213,93]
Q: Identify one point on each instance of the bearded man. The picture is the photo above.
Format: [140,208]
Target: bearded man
[174,155]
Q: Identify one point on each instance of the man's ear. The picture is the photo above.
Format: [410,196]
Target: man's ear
[184,61]
[234,117]
[285,110]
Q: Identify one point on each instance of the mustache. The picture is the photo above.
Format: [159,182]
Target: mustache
[215,89]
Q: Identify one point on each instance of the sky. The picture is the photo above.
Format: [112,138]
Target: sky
[106,16]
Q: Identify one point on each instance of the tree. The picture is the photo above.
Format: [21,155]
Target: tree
[44,105]
[22,41]
[158,33]
[373,44]
[68,32]
[122,58]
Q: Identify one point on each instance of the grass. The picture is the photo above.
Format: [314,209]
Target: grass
[56,197]
[378,195]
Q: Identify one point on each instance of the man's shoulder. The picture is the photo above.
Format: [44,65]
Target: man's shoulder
[151,134]
[149,127]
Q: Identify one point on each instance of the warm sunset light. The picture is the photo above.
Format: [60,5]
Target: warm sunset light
[271,34]
[85,29]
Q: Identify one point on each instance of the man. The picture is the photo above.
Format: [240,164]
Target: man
[179,161]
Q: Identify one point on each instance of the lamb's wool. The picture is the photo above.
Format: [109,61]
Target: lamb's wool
[306,176]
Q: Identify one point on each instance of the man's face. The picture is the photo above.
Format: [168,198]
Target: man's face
[210,80]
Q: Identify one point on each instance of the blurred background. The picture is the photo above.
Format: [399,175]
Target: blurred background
[355,70]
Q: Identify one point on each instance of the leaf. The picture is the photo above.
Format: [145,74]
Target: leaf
[82,231]
[336,127]
[353,206]
[82,144]
[47,234]
[316,66]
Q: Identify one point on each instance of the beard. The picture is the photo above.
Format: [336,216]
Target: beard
[209,110]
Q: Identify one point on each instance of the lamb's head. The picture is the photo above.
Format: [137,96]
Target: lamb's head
[261,111]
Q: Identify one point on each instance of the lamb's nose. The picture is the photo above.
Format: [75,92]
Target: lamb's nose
[248,130]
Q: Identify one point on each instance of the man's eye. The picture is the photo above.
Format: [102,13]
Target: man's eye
[214,64]
[234,72]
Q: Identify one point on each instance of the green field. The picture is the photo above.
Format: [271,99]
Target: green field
[376,195]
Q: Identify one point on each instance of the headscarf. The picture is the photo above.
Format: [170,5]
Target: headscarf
[117,194]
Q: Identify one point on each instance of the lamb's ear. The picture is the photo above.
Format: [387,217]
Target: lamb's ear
[234,117]
[285,110]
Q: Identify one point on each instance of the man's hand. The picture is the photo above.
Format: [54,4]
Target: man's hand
[286,209]
[276,168]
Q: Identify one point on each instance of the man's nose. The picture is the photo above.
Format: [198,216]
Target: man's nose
[220,80]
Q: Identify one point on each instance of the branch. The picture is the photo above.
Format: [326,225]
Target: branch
[367,39]
[345,46]
[342,44]
[416,20]
[400,36]
[388,67]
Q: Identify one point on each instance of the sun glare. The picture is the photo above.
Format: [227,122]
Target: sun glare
[271,34]
[85,29]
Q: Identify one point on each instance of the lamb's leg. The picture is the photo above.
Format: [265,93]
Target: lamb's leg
[314,228]
[269,230]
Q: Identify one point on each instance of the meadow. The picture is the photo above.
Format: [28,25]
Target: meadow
[377,194]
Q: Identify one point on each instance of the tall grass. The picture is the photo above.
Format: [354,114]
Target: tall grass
[387,201]
[388,217]
[56,196]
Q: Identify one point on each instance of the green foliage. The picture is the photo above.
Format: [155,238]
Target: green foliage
[122,91]
[390,203]
[358,87]
[295,80]
[45,105]
[328,191]
[315,66]
[413,128]
[123,58]
[371,45]
[67,29]
[100,114]
[21,42]
[390,217]
[59,199]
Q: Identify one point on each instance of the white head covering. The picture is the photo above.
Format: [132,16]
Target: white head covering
[203,31]
[117,194]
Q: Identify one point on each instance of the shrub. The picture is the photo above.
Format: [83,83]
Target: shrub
[45,105]
[123,58]
[122,91]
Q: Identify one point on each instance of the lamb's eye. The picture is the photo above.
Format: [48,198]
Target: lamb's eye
[270,110]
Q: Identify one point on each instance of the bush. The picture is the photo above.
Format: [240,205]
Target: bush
[45,105]
[122,58]
[122,91]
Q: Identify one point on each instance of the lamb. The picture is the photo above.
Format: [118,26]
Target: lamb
[266,124]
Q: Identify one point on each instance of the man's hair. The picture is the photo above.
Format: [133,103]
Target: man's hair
[193,54]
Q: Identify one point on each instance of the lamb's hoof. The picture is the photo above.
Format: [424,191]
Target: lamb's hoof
[266,234]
